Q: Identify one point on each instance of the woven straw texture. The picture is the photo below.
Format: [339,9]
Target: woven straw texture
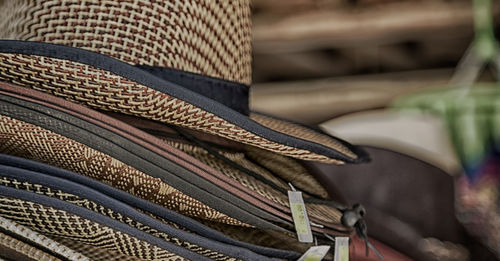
[267,238]
[93,252]
[41,240]
[26,140]
[85,203]
[288,169]
[301,132]
[206,37]
[51,221]
[104,90]
[321,212]
[24,249]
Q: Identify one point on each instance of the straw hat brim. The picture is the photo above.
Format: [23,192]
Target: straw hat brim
[56,218]
[245,207]
[185,190]
[326,215]
[32,245]
[105,83]
[158,211]
[93,200]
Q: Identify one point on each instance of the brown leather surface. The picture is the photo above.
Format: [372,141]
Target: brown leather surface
[156,145]
[406,199]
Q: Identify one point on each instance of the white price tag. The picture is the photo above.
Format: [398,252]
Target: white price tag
[341,249]
[300,218]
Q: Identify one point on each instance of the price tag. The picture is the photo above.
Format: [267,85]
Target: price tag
[315,253]
[300,218]
[341,249]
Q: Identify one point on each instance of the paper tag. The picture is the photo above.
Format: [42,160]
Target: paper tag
[300,218]
[315,253]
[341,249]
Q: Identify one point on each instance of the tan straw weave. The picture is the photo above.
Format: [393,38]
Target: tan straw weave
[324,213]
[298,131]
[32,142]
[101,89]
[40,240]
[93,252]
[288,169]
[55,222]
[20,249]
[206,37]
[91,205]
[262,237]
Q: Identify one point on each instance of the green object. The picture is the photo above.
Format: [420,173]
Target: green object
[470,111]
[473,120]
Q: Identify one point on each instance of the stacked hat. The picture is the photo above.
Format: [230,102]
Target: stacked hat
[129,136]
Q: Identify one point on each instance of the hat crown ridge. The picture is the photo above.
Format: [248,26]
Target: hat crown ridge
[211,38]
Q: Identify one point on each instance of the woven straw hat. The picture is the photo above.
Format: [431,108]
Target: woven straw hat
[62,224]
[177,62]
[71,194]
[48,178]
[56,148]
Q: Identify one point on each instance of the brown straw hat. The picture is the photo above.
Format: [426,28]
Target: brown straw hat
[62,224]
[118,211]
[183,63]
[34,141]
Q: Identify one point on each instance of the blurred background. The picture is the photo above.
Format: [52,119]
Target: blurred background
[352,55]
[414,83]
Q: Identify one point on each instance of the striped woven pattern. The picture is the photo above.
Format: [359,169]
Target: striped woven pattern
[301,132]
[267,238]
[91,205]
[104,90]
[50,221]
[288,169]
[93,252]
[325,213]
[206,37]
[41,240]
[24,249]
[26,140]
